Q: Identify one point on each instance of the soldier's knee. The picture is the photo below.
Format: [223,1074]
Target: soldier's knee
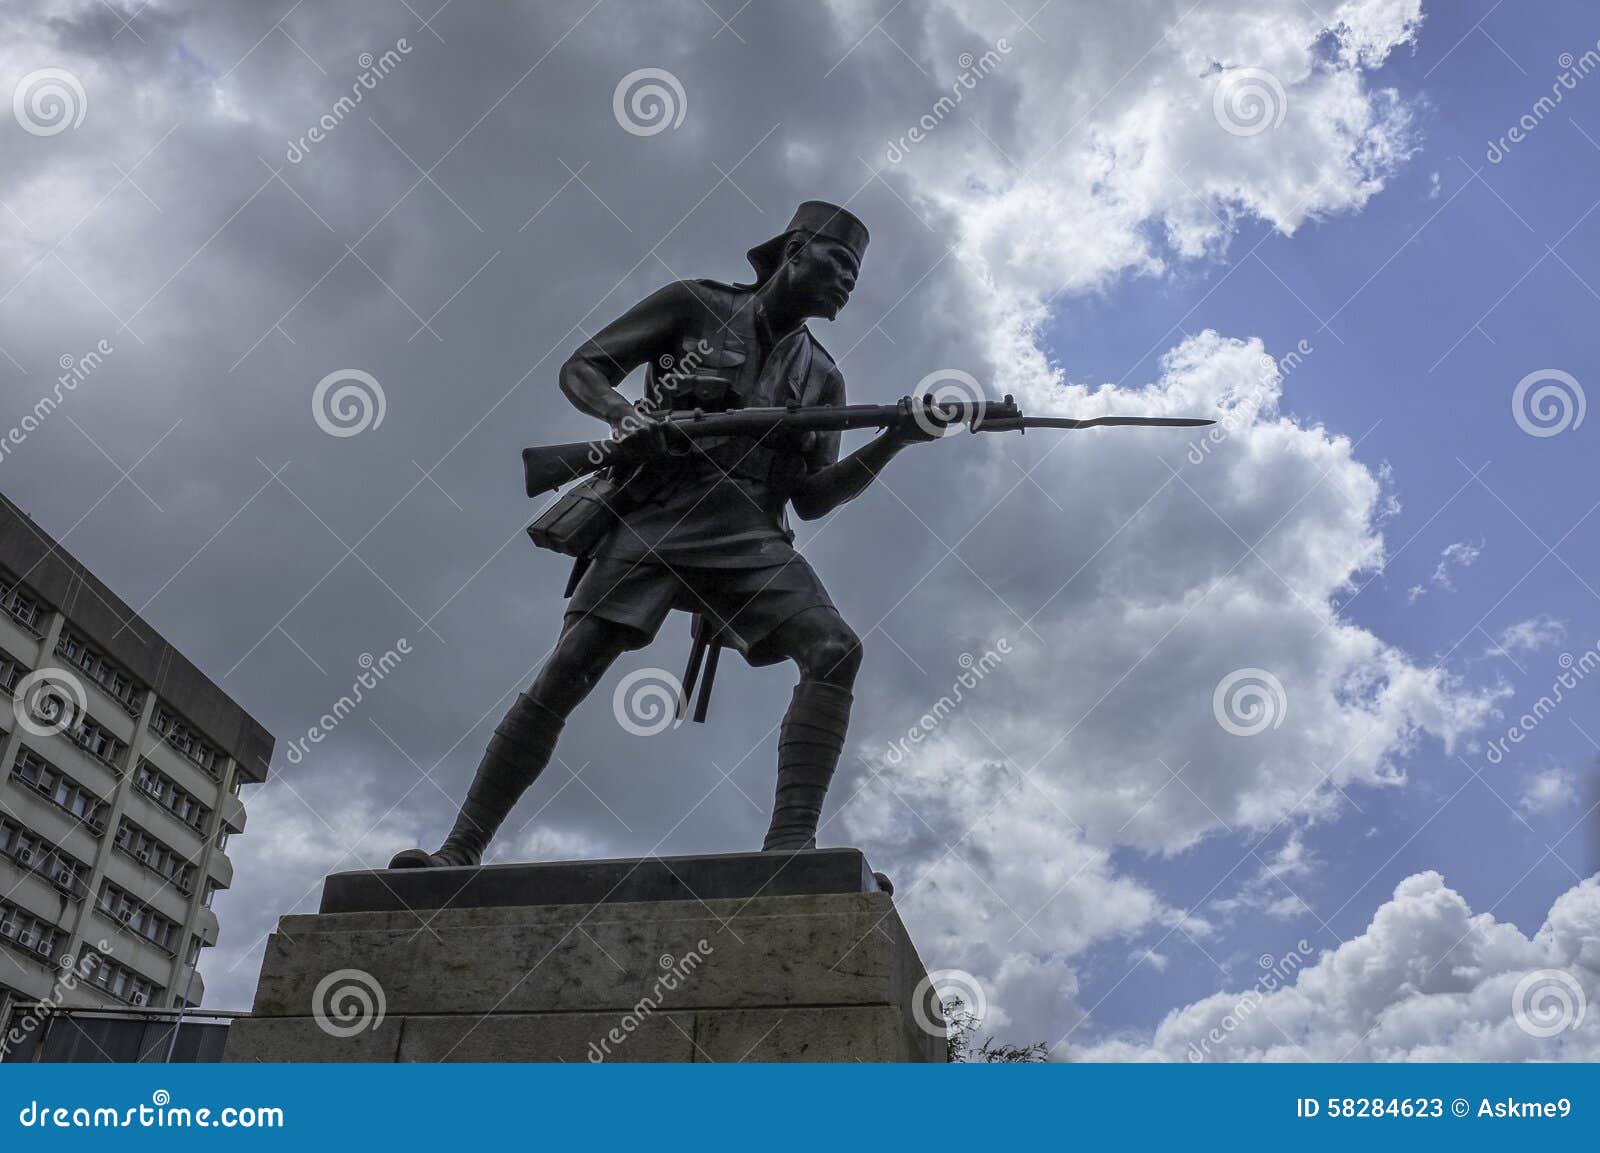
[834,655]
[580,658]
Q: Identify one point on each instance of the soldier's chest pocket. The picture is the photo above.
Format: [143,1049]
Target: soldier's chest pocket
[712,377]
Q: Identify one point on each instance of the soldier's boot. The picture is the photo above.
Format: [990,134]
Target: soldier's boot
[809,744]
[517,754]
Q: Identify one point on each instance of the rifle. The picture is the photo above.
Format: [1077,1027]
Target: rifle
[548,468]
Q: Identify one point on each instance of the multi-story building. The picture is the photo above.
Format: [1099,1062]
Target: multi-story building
[120,770]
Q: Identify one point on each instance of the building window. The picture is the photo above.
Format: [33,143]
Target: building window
[192,957]
[20,605]
[96,740]
[171,796]
[32,769]
[156,855]
[20,929]
[211,891]
[10,673]
[124,908]
[53,864]
[179,734]
[121,982]
[110,676]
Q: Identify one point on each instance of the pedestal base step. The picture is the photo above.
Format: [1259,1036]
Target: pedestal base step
[809,976]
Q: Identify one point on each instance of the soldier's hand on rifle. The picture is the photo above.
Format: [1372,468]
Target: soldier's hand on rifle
[641,431]
[919,422]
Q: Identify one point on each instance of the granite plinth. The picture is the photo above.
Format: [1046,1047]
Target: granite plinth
[586,968]
[703,877]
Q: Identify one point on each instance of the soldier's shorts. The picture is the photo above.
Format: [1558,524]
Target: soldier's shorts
[747,603]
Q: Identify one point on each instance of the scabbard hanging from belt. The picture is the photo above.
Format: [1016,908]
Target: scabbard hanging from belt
[703,656]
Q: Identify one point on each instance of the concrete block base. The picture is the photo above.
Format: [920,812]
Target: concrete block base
[822,976]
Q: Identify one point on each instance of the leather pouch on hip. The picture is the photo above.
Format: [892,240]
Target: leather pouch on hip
[576,523]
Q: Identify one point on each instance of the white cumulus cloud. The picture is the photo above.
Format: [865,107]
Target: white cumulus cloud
[1428,980]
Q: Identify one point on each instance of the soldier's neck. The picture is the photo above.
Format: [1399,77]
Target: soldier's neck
[779,315]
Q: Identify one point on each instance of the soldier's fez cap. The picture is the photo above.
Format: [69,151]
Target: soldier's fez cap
[819,218]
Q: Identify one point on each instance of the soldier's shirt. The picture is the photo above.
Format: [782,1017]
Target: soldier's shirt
[726,512]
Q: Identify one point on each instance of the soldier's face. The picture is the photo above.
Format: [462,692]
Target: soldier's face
[822,274]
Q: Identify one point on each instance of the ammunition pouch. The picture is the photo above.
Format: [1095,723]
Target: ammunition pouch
[577,522]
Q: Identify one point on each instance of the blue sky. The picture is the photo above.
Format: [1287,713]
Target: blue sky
[1424,315]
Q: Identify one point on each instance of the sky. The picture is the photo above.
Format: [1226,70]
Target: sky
[1258,768]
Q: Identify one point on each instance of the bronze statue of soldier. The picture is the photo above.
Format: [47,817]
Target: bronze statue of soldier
[707,531]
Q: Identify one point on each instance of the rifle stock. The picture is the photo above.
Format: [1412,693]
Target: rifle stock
[547,468]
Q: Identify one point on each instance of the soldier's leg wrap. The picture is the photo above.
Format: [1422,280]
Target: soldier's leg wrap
[517,754]
[809,744]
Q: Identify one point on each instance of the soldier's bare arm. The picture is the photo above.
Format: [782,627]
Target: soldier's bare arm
[831,482]
[590,376]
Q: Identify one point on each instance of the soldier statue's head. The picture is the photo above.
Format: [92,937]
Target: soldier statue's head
[811,267]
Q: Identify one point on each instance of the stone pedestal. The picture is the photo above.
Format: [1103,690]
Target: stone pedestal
[736,957]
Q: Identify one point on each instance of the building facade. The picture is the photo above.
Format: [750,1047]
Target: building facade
[120,770]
